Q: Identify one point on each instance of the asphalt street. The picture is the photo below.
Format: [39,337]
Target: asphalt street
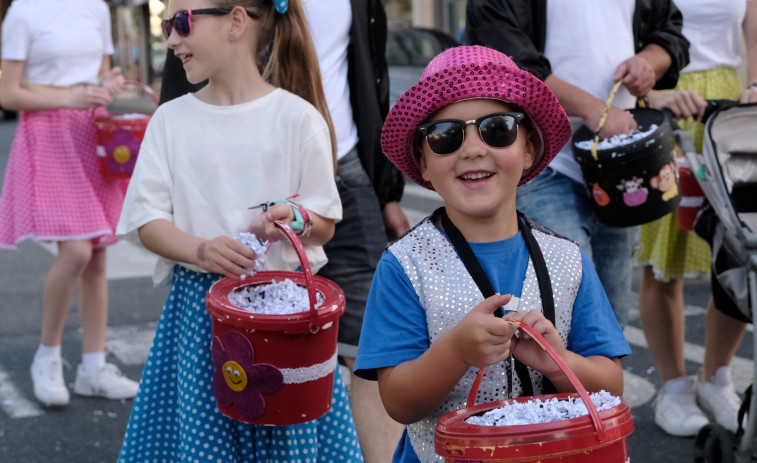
[90,430]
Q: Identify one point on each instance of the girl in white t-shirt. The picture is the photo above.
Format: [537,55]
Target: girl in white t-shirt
[56,69]
[248,137]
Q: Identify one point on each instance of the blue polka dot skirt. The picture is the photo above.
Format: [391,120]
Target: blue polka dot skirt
[175,418]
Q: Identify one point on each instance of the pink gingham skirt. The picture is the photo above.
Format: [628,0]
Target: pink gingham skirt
[53,190]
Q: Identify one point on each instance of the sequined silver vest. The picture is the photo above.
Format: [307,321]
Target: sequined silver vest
[447,291]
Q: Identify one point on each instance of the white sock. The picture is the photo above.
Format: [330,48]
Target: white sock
[47,351]
[679,386]
[92,361]
[722,377]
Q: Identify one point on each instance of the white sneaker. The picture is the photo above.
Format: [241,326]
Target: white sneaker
[678,414]
[718,398]
[47,376]
[107,382]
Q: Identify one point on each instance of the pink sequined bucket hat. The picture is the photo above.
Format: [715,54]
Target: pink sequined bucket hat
[464,73]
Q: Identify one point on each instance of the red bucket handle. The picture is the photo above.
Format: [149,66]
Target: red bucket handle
[300,249]
[146,89]
[560,363]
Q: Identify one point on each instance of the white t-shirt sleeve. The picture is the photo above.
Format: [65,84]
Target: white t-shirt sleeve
[16,32]
[149,196]
[316,183]
[106,32]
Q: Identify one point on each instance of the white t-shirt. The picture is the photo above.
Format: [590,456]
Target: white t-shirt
[61,42]
[202,166]
[586,41]
[330,23]
[713,27]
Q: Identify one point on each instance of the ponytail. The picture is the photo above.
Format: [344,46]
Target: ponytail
[286,55]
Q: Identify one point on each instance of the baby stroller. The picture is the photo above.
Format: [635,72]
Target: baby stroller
[727,174]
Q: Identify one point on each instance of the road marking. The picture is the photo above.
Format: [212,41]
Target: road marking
[131,344]
[742,369]
[14,403]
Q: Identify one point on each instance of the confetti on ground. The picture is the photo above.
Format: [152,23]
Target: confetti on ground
[538,411]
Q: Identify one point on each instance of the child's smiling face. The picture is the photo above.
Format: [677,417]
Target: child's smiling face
[201,51]
[477,180]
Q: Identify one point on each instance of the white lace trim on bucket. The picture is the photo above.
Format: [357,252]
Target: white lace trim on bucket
[311,373]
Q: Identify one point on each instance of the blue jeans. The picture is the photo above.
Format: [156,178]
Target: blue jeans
[563,205]
[354,251]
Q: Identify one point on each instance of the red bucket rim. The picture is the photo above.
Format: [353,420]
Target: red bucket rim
[219,306]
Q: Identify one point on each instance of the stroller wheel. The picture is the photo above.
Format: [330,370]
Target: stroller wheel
[714,444]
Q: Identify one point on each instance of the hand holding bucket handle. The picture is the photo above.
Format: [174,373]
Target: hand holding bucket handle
[603,118]
[300,250]
[580,389]
[144,88]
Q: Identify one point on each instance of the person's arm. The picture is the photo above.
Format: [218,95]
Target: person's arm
[413,389]
[749,26]
[514,27]
[641,72]
[222,254]
[16,97]
[683,103]
[110,79]
[580,103]
[395,220]
[660,23]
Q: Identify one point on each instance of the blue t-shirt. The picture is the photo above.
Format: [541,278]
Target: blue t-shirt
[395,329]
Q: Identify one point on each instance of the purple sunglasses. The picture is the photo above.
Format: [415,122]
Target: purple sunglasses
[182,20]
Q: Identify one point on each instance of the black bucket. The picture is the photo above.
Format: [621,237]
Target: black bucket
[635,183]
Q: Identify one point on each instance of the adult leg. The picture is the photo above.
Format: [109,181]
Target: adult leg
[661,309]
[353,253]
[715,390]
[722,336]
[95,377]
[60,285]
[378,433]
[67,268]
[93,302]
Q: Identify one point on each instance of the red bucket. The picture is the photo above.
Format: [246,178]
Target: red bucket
[275,369]
[119,136]
[599,436]
[692,196]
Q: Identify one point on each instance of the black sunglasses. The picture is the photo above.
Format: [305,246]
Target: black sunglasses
[445,136]
[182,20]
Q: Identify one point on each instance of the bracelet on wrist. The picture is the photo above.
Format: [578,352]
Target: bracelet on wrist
[301,224]
[753,85]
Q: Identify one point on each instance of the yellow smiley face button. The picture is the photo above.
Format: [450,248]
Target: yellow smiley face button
[235,376]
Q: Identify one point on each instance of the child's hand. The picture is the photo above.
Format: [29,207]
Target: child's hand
[226,256]
[528,351]
[482,339]
[89,96]
[263,226]
[113,81]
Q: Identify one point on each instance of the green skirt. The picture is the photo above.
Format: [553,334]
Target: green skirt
[671,252]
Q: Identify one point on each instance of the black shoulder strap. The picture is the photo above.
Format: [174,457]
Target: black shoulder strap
[484,285]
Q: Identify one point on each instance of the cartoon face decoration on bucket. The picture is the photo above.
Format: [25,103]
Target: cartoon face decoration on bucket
[633,193]
[240,382]
[665,181]
[122,151]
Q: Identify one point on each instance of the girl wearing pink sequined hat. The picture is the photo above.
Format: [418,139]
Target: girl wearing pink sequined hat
[472,72]
[473,129]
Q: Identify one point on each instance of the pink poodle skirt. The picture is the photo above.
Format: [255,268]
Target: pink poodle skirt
[53,189]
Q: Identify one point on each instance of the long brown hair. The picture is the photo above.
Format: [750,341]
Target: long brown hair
[286,55]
